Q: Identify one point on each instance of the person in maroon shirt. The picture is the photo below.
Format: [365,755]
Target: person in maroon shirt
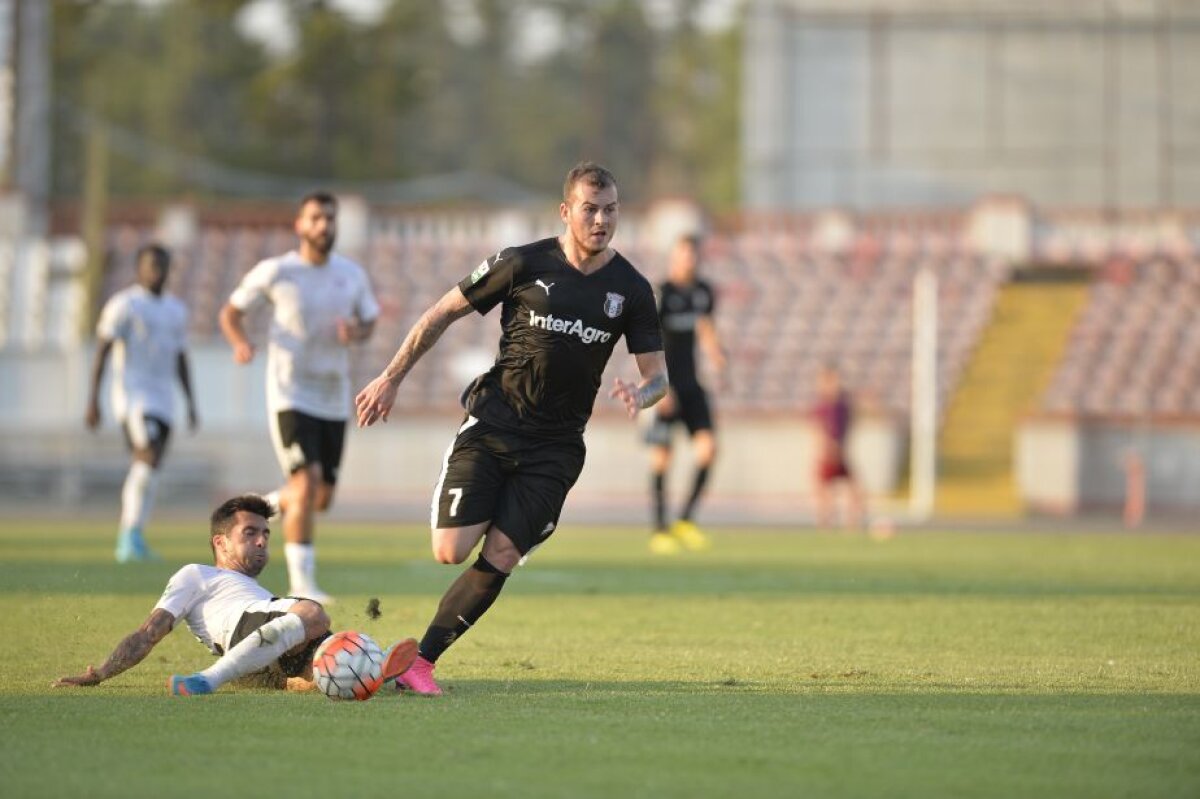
[833,416]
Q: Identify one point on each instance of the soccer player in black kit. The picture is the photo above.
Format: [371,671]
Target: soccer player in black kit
[685,307]
[565,303]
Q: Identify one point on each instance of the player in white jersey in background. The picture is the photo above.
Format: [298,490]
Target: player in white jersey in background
[321,304]
[146,330]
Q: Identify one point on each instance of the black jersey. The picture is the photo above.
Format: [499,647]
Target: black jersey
[559,327]
[678,308]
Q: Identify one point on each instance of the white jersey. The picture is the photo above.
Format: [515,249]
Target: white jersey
[148,333]
[308,369]
[211,601]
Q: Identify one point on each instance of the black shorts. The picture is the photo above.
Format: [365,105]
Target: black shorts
[691,409]
[145,431]
[517,482]
[294,664]
[301,439]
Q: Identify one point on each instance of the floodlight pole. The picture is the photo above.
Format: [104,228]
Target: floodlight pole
[923,422]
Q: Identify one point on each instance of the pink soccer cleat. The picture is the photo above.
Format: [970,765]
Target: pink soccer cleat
[398,658]
[419,679]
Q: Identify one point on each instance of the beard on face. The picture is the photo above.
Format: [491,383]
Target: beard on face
[586,245]
[250,565]
[322,244]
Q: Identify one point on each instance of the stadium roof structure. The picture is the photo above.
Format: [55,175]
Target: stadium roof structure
[450,187]
[1065,10]
[204,173]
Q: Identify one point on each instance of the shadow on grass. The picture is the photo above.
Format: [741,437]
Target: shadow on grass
[608,738]
[837,689]
[422,578]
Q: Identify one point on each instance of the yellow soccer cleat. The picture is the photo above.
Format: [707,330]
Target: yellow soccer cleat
[689,535]
[665,544]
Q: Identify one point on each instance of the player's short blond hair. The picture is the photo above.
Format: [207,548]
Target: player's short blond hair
[588,172]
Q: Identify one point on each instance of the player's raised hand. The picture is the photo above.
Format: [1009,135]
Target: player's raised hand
[88,678]
[374,403]
[243,352]
[627,393]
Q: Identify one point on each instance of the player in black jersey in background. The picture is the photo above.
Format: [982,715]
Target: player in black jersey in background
[685,308]
[565,302]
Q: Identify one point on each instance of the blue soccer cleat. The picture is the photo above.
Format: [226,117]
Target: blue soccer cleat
[190,685]
[126,548]
[140,548]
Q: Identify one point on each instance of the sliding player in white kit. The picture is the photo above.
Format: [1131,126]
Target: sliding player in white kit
[226,609]
[322,303]
[146,330]
[233,615]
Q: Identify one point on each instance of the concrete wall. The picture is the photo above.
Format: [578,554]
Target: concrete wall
[1067,465]
[764,472]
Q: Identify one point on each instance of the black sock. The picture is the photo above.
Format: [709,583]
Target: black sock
[697,490]
[464,602]
[658,490]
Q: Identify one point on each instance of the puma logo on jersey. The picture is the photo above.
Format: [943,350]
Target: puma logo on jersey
[543,286]
[573,327]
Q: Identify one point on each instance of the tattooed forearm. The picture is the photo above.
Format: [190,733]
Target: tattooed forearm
[652,390]
[420,339]
[128,654]
[135,646]
[425,333]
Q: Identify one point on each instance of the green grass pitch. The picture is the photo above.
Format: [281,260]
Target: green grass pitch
[779,664]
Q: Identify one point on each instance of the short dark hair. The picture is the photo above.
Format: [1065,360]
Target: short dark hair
[320,196]
[156,251]
[590,173]
[222,517]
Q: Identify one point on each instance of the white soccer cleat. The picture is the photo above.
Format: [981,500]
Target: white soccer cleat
[313,593]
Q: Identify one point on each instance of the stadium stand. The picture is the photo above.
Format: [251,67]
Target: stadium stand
[1134,352]
[787,303]
[795,291]
[1090,237]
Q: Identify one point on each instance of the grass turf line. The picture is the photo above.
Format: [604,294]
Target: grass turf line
[777,664]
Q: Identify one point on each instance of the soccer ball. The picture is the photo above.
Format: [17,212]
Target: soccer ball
[348,665]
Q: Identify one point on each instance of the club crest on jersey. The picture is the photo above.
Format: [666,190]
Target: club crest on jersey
[613,305]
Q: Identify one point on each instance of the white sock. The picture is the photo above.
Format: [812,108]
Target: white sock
[137,495]
[273,500]
[301,567]
[257,650]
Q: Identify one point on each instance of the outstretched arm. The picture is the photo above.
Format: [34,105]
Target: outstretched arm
[130,652]
[653,368]
[710,342]
[374,403]
[184,372]
[92,417]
